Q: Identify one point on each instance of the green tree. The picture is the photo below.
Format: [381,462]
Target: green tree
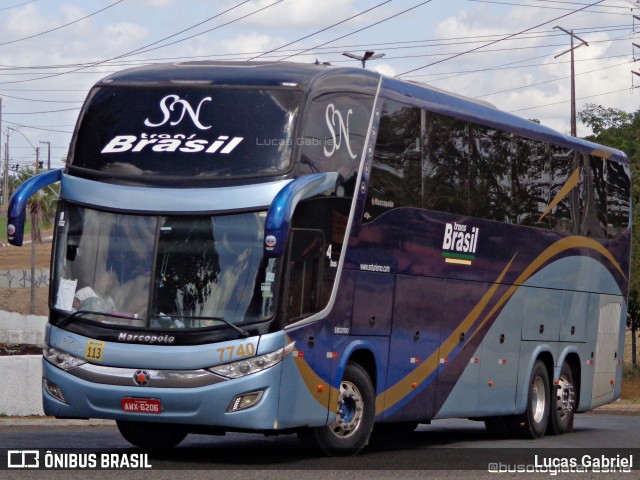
[619,129]
[41,210]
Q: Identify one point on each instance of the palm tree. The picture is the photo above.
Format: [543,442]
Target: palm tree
[41,208]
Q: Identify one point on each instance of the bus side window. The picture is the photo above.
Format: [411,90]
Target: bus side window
[305,264]
[618,191]
[395,176]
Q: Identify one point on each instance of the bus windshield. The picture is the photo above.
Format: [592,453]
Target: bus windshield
[193,133]
[162,272]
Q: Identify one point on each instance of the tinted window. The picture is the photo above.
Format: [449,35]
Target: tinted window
[333,135]
[395,176]
[440,163]
[199,133]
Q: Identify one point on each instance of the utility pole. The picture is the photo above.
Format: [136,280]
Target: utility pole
[48,153]
[5,170]
[573,77]
[5,191]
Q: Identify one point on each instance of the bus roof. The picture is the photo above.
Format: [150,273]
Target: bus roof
[323,78]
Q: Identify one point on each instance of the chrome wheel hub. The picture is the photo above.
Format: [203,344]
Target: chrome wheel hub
[350,408]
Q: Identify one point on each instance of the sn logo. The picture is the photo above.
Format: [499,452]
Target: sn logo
[335,120]
[173,103]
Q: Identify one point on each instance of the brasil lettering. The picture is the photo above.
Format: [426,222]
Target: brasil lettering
[460,243]
[171,143]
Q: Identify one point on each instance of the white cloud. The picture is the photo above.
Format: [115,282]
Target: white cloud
[384,69]
[298,13]
[250,43]
[124,35]
[159,3]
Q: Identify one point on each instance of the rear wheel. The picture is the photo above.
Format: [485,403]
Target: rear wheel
[151,435]
[533,423]
[350,431]
[563,403]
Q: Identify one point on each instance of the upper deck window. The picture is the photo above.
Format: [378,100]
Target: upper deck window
[185,132]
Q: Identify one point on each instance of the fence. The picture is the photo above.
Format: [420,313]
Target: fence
[15,277]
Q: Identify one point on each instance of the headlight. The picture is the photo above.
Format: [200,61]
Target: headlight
[61,359]
[248,366]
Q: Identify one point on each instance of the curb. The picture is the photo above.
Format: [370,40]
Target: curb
[53,422]
[616,409]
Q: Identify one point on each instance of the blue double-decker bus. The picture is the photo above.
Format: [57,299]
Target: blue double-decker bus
[287,248]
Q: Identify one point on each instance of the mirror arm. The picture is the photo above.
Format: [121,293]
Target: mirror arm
[17,211]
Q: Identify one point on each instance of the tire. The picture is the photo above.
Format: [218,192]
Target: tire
[533,423]
[151,435]
[563,403]
[349,433]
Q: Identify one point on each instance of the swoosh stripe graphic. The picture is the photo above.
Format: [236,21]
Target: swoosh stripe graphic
[394,394]
[397,392]
[554,250]
[571,182]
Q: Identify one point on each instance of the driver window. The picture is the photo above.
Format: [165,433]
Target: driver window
[304,280]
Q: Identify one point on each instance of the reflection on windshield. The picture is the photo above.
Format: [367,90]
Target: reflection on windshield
[208,267]
[201,268]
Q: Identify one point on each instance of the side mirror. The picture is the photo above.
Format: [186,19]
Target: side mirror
[17,212]
[284,204]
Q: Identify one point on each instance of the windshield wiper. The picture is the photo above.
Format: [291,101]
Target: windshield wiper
[69,318]
[242,332]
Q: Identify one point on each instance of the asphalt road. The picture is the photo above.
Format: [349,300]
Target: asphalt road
[448,449]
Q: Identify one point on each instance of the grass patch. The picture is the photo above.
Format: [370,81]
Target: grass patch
[630,384]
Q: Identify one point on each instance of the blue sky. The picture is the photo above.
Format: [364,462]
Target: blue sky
[502,51]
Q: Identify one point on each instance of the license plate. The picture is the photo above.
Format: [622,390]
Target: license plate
[141,405]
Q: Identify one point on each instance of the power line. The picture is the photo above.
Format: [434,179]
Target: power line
[359,30]
[499,40]
[61,26]
[508,66]
[322,30]
[339,49]
[16,6]
[141,49]
[38,113]
[40,100]
[495,2]
[565,101]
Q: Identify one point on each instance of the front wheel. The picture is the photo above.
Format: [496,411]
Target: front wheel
[355,414]
[533,423]
[151,435]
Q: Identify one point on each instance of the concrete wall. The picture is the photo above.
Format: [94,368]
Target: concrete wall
[20,375]
[22,329]
[20,385]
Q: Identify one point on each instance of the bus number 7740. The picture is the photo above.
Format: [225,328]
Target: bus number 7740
[232,352]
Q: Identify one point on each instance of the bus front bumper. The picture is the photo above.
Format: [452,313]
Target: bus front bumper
[249,402]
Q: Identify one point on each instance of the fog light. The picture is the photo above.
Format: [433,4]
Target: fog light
[54,390]
[245,400]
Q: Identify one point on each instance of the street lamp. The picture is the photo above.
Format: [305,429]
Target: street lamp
[368,55]
[48,153]
[10,131]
